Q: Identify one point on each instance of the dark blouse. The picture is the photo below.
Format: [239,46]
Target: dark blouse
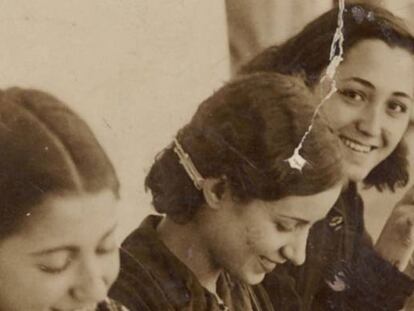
[342,270]
[152,278]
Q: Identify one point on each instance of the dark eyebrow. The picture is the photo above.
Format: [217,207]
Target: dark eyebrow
[368,84]
[70,248]
[361,81]
[401,94]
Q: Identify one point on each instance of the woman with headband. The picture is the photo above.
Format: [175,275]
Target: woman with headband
[234,207]
[370,112]
[59,194]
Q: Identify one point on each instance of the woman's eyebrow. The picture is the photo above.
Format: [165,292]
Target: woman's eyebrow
[402,94]
[300,221]
[70,248]
[364,82]
[368,84]
[48,251]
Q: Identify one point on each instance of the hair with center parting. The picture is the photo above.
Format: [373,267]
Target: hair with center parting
[46,150]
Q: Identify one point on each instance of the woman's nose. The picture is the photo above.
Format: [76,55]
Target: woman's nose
[91,286]
[371,120]
[295,250]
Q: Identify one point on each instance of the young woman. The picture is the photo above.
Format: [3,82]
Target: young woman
[370,112]
[59,194]
[234,206]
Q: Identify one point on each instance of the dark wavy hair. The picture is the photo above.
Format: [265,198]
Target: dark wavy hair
[246,131]
[46,149]
[308,51]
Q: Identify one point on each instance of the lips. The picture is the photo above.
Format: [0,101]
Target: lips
[267,264]
[356,145]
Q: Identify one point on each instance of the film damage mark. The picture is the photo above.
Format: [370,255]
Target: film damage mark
[296,161]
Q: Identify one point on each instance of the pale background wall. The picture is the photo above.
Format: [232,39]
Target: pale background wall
[135,70]
[257,24]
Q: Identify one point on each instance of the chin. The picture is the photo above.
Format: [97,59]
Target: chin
[356,174]
[252,278]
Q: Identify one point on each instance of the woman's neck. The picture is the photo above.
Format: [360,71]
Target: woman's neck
[184,241]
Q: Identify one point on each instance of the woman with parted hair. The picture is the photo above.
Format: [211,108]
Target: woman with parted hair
[370,112]
[59,194]
[234,207]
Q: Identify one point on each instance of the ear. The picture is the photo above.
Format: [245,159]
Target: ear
[215,190]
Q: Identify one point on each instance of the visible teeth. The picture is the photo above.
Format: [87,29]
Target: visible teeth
[355,146]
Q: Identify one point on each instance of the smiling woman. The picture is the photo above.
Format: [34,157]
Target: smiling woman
[234,207]
[371,109]
[370,113]
[56,184]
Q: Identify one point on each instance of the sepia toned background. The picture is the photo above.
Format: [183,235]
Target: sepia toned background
[136,70]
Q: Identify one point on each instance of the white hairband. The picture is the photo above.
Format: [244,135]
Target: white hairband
[188,165]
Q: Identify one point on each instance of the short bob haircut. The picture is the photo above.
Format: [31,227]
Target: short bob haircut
[245,132]
[308,51]
[46,150]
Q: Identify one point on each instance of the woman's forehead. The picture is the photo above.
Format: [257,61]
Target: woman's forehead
[379,64]
[68,219]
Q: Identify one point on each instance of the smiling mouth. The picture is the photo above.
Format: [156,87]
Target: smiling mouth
[357,146]
[267,264]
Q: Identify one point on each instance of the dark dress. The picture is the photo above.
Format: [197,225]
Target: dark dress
[152,278]
[342,270]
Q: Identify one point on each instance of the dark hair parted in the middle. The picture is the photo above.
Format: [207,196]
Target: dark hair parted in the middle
[245,132]
[307,53]
[46,150]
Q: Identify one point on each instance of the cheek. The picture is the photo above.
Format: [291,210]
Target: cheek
[31,290]
[254,234]
[396,131]
[409,139]
[263,239]
[338,113]
[112,267]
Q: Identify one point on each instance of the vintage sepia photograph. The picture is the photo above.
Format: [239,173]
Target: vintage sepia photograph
[221,155]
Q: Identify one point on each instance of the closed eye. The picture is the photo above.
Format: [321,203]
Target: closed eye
[108,243]
[285,226]
[109,247]
[56,263]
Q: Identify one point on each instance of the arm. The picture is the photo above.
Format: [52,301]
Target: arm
[396,241]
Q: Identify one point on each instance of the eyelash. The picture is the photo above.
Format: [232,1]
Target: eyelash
[57,270]
[401,105]
[350,93]
[54,270]
[107,250]
[284,227]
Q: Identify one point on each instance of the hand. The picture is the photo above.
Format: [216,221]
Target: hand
[396,241]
